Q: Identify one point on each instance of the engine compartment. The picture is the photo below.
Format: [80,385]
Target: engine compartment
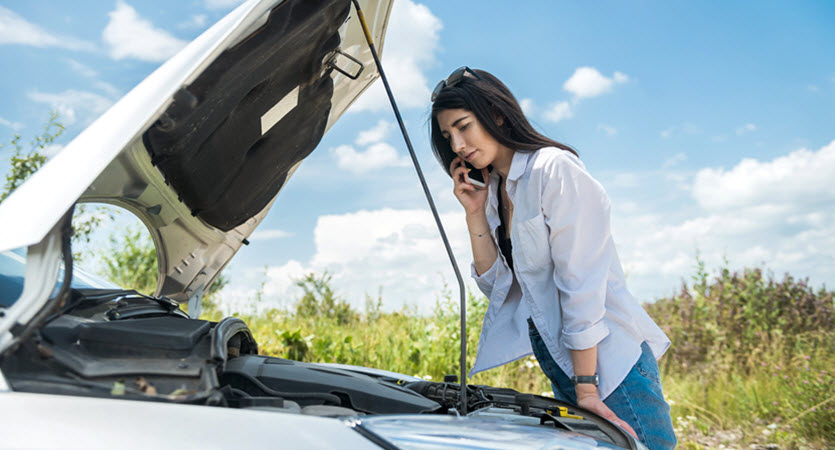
[121,344]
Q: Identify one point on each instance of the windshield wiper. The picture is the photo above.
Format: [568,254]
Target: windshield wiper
[128,304]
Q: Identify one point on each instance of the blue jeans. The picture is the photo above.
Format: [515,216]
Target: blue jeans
[638,400]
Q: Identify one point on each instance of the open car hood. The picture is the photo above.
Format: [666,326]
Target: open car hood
[200,148]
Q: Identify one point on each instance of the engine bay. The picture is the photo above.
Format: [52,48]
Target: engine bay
[121,344]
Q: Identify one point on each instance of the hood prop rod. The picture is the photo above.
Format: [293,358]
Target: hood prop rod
[463,377]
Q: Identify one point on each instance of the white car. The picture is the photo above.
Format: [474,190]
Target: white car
[198,152]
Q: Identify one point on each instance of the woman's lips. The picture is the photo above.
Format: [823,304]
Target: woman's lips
[470,155]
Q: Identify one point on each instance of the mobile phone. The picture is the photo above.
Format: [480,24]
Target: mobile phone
[475,176]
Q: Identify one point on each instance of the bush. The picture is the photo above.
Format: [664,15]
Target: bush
[752,355]
[730,320]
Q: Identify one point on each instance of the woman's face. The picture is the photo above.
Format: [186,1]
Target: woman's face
[468,139]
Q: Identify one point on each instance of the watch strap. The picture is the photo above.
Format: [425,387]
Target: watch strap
[586,379]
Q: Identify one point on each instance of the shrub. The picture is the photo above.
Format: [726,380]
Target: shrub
[750,354]
[730,319]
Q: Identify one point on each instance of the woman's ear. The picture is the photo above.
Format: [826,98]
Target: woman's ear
[498,118]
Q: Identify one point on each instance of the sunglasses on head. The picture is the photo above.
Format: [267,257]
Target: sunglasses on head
[454,78]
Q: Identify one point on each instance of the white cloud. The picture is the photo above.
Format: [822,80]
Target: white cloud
[130,36]
[88,72]
[527,106]
[277,286]
[14,29]
[587,82]
[376,156]
[73,105]
[559,111]
[686,128]
[802,177]
[674,161]
[263,235]
[222,4]
[747,128]
[609,130]
[409,49]
[108,88]
[778,213]
[13,125]
[81,69]
[195,21]
[282,279]
[376,134]
[397,251]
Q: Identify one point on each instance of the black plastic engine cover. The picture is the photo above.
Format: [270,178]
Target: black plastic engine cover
[209,143]
[357,391]
[164,333]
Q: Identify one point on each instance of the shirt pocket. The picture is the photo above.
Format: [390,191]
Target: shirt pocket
[534,247]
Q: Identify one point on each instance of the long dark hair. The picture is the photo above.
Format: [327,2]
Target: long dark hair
[487,98]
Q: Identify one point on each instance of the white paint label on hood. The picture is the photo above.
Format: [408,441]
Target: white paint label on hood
[277,112]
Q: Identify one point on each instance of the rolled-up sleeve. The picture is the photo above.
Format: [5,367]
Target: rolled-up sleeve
[577,212]
[487,281]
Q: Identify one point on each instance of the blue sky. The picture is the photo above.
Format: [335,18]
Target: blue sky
[710,124]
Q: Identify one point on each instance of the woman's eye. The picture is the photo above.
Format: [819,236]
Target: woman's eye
[464,127]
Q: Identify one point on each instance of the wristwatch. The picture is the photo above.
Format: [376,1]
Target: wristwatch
[586,379]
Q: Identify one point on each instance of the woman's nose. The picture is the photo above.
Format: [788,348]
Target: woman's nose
[456,143]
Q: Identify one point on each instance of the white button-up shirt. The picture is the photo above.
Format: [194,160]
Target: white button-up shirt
[567,276]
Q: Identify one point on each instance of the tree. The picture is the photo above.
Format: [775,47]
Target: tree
[319,300]
[24,162]
[131,261]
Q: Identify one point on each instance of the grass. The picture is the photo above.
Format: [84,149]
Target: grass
[752,359]
[790,403]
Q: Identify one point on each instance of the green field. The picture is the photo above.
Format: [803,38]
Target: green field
[751,363]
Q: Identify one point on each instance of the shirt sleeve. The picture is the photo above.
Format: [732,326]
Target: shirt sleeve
[577,212]
[487,281]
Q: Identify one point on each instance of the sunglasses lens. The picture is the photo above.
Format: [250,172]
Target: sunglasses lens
[438,88]
[454,78]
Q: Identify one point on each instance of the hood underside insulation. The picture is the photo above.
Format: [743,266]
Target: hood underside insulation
[228,140]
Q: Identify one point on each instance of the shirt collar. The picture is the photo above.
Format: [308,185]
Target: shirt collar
[518,165]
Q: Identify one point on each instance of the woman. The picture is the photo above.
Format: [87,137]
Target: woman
[544,256]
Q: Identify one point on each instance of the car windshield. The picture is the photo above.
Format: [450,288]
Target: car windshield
[13,270]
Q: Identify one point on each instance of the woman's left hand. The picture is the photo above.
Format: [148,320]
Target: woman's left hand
[593,403]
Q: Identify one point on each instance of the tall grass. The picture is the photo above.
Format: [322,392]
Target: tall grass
[323,328]
[751,353]
[751,356]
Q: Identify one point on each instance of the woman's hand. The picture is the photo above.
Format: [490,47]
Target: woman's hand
[470,197]
[473,200]
[591,401]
